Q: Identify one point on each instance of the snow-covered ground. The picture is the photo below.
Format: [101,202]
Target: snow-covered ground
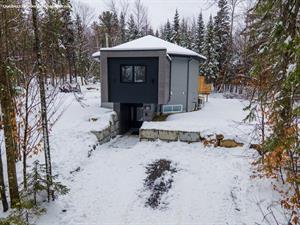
[211,186]
[219,116]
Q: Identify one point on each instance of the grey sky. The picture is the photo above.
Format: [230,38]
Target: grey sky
[161,10]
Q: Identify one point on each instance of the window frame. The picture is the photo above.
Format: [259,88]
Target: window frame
[121,74]
[164,111]
[133,73]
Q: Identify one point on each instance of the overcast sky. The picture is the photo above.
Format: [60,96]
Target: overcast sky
[161,10]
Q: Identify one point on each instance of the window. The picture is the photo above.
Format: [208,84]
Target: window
[172,109]
[133,74]
[126,74]
[140,74]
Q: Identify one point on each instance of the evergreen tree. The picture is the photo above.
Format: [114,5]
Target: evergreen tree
[211,64]
[274,44]
[51,36]
[192,33]
[168,31]
[81,49]
[123,31]
[200,35]
[223,38]
[151,31]
[184,34]
[67,36]
[132,29]
[176,29]
[109,25]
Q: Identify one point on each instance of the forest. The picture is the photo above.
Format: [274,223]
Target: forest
[46,46]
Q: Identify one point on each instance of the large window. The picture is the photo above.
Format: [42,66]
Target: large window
[133,74]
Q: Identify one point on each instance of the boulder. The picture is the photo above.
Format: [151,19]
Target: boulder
[230,143]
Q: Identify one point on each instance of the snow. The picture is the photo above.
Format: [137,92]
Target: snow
[150,42]
[291,68]
[211,186]
[219,116]
[288,40]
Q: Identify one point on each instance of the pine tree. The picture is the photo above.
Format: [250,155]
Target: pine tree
[123,30]
[200,35]
[184,34]
[67,34]
[176,29]
[274,40]
[223,39]
[168,31]
[211,64]
[51,27]
[192,33]
[81,49]
[132,29]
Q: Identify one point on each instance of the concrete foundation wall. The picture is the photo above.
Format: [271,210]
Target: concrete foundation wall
[169,135]
[111,131]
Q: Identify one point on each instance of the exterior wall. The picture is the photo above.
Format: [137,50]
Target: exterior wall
[163,71]
[184,87]
[193,84]
[144,92]
[179,69]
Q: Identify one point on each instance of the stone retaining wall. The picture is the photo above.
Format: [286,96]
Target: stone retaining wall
[168,135]
[111,131]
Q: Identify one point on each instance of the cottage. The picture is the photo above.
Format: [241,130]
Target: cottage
[148,76]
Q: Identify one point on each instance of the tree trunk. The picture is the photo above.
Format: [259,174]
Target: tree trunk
[2,185]
[44,117]
[8,110]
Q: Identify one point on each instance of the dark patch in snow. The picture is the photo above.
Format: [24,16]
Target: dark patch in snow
[158,181]
[76,170]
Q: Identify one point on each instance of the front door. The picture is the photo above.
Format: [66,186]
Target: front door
[131,118]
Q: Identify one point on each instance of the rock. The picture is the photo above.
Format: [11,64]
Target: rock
[230,143]
[166,135]
[149,135]
[219,138]
[189,136]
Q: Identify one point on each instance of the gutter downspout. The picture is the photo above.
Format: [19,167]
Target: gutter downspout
[188,85]
[170,76]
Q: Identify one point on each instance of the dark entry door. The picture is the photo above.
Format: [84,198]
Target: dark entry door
[131,117]
[136,119]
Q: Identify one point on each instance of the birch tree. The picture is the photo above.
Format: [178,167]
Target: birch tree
[44,117]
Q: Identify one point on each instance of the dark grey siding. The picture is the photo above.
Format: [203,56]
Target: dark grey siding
[163,70]
[146,92]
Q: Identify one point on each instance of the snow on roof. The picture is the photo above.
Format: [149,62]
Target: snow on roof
[153,43]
